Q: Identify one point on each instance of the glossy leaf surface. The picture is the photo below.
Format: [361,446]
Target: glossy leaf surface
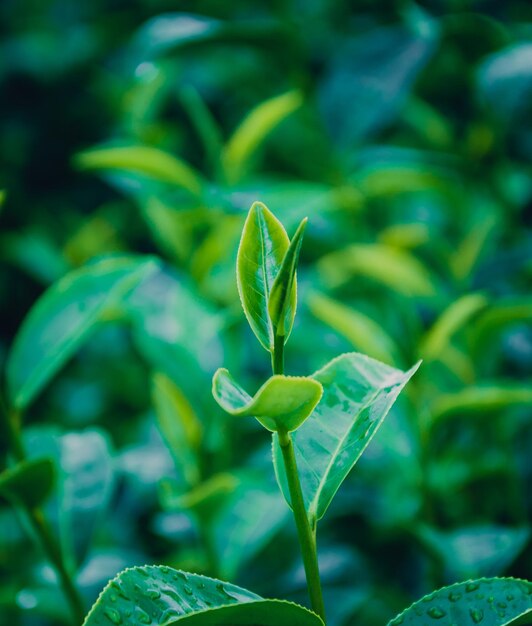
[62,319]
[29,482]
[283,296]
[484,602]
[261,252]
[162,596]
[358,392]
[282,403]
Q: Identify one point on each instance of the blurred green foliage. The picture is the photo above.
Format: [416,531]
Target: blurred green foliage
[148,128]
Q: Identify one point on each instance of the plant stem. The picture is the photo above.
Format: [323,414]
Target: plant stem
[307,538]
[41,527]
[306,534]
[278,355]
[54,554]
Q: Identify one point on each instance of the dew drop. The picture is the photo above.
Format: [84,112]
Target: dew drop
[454,596]
[476,615]
[224,591]
[471,587]
[509,597]
[153,594]
[141,616]
[188,590]
[436,613]
[502,605]
[113,615]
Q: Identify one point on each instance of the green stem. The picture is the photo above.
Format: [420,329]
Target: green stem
[54,554]
[306,534]
[41,528]
[307,537]
[278,355]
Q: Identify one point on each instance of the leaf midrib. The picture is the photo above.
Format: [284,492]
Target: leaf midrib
[313,506]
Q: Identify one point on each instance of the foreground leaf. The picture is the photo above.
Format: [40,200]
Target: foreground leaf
[282,403]
[282,301]
[62,319]
[487,602]
[357,395]
[165,596]
[261,252]
[29,482]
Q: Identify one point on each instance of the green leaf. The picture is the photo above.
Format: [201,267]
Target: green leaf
[283,296]
[145,160]
[262,249]
[457,315]
[238,513]
[164,596]
[396,269]
[254,129]
[62,319]
[179,425]
[85,487]
[358,392]
[282,403]
[472,551]
[359,329]
[498,317]
[28,482]
[486,602]
[480,399]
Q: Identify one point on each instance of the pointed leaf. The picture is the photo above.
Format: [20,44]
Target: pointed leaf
[62,319]
[255,128]
[179,425]
[145,160]
[282,403]
[359,329]
[283,297]
[457,315]
[483,602]
[396,269]
[261,252]
[28,482]
[163,596]
[480,399]
[357,395]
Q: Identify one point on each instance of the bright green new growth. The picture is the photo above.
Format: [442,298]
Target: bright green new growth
[283,403]
[330,432]
[282,301]
[262,250]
